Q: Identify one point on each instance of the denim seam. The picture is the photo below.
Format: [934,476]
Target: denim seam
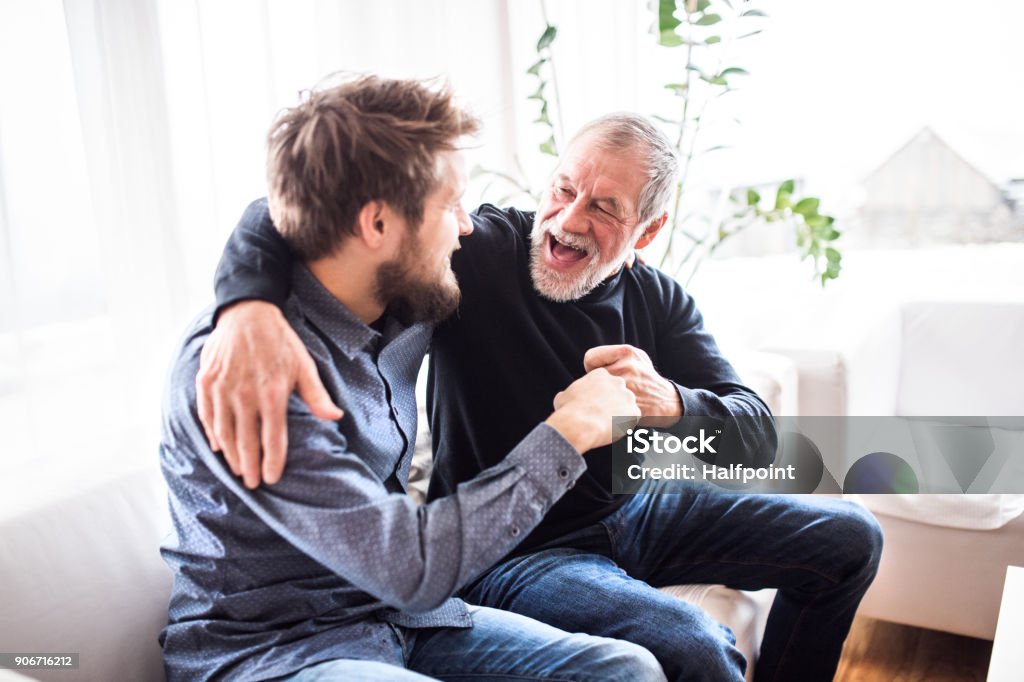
[402,643]
[789,640]
[612,541]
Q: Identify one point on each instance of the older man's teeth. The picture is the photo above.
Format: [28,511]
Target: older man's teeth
[564,253]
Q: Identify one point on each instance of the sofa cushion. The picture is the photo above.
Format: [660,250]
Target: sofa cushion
[84,575]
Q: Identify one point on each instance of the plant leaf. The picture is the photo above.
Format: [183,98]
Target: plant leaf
[547,37]
[817,221]
[734,69]
[709,19]
[752,197]
[667,24]
[535,69]
[670,39]
[752,13]
[711,40]
[714,80]
[548,147]
[807,206]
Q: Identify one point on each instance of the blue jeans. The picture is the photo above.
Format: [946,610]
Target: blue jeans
[821,554]
[499,646]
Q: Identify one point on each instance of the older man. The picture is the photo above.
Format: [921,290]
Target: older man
[549,298]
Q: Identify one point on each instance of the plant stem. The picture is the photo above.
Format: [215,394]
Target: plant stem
[554,82]
[684,171]
[510,180]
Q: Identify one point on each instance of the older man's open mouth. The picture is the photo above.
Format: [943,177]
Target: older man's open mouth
[563,253]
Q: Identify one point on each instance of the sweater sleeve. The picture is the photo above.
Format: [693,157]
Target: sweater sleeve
[256,263]
[708,386]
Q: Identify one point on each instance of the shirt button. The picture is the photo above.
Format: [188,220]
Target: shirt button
[514,531]
[563,473]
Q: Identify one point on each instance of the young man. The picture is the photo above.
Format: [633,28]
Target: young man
[548,298]
[334,573]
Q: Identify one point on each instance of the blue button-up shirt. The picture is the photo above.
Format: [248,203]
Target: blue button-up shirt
[325,563]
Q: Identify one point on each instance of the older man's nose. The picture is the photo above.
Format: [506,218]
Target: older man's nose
[572,218]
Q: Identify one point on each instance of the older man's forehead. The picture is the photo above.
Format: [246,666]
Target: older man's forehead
[603,173]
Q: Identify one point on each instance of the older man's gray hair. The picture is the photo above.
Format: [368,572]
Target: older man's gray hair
[623,130]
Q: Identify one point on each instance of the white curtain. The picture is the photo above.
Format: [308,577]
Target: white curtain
[131,139]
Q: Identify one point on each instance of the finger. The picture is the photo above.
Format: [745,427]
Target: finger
[224,429]
[621,368]
[247,443]
[313,393]
[559,397]
[600,356]
[274,437]
[205,405]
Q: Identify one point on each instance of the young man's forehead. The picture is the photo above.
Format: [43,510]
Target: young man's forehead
[451,171]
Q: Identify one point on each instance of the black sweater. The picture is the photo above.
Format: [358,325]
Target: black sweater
[497,363]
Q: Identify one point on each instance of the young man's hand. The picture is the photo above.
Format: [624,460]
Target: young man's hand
[583,411]
[249,366]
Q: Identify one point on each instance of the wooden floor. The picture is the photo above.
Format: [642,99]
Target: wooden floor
[877,651]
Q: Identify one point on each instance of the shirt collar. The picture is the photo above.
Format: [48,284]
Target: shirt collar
[330,315]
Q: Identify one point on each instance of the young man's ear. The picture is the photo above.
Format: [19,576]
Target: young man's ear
[373,222]
[651,231]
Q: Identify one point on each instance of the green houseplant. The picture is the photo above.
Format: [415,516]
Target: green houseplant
[694,34]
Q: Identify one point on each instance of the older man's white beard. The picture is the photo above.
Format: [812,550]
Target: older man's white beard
[561,286]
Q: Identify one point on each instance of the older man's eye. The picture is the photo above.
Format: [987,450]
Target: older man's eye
[564,191]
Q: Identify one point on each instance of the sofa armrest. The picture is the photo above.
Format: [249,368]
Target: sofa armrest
[852,368]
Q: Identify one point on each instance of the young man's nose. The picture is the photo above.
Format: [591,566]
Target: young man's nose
[465,223]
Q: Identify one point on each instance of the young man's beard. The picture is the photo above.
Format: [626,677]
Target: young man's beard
[412,296]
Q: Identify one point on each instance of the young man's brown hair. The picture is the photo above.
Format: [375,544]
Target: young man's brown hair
[365,139]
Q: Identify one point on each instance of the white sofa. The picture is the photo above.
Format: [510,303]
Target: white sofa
[83,575]
[945,556]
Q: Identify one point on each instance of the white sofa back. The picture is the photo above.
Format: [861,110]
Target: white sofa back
[84,575]
[920,358]
[961,358]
